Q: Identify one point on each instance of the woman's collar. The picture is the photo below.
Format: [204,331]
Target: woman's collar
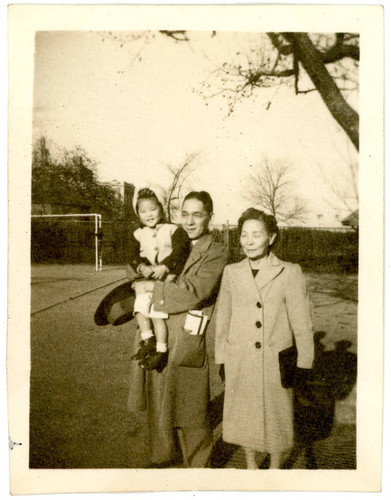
[268,260]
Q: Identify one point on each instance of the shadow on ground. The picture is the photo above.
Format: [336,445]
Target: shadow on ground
[321,442]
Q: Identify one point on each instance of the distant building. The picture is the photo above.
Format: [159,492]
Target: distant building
[351,220]
[126,192]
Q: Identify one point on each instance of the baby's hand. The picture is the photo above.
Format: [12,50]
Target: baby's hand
[159,271]
[146,271]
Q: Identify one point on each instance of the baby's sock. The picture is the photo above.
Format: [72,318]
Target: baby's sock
[161,347]
[147,334]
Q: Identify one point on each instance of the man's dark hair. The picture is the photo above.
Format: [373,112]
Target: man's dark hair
[201,196]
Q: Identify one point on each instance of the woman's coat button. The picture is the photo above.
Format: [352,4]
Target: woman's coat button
[259,305]
[258,345]
[258,324]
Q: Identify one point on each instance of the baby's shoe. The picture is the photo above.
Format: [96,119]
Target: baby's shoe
[156,361]
[147,347]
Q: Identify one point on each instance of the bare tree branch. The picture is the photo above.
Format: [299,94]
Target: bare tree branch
[271,188]
[344,187]
[280,44]
[340,50]
[179,176]
[286,55]
[344,114]
[291,55]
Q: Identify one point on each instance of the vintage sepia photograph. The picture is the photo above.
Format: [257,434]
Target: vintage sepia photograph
[195,209]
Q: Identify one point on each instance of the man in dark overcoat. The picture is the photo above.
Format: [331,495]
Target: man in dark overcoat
[176,399]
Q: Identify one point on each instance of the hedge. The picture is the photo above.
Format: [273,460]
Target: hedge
[70,241]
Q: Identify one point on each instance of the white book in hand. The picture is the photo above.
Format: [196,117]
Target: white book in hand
[195,322]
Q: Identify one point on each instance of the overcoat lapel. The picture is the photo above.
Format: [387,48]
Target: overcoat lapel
[197,250]
[250,281]
[270,269]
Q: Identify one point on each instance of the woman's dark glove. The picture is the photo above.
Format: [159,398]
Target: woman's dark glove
[222,373]
[300,382]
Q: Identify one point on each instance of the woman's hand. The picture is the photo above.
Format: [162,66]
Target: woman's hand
[159,271]
[143,287]
[300,382]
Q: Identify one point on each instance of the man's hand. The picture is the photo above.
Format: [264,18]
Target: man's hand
[159,271]
[141,287]
[146,270]
[131,273]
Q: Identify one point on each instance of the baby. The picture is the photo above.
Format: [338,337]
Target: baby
[159,250]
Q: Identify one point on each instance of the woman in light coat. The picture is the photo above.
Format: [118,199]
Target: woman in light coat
[262,309]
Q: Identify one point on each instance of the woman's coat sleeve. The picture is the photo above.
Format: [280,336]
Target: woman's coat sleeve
[223,317]
[299,314]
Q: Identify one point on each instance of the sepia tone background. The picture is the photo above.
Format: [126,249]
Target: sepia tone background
[235,108]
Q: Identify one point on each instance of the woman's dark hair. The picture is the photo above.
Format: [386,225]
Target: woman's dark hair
[268,221]
[201,196]
[148,194]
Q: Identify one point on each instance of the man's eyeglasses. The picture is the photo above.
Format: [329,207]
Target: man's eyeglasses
[194,215]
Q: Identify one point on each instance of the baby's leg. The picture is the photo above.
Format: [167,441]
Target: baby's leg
[142,305]
[147,344]
[145,326]
[158,360]
[160,329]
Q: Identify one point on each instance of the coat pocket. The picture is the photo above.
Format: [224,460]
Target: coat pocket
[190,351]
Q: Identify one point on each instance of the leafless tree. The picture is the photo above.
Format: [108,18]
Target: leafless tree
[141,39]
[343,188]
[179,176]
[329,60]
[271,188]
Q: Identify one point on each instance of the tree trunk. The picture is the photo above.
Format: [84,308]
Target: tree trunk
[306,53]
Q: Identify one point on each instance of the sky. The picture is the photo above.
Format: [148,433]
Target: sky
[135,106]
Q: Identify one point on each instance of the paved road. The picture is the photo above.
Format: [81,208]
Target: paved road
[80,377]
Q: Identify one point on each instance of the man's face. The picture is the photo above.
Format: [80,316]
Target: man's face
[195,219]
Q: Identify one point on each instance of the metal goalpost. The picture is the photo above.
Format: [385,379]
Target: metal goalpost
[98,228]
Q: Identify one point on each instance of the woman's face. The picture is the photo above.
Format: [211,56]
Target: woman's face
[255,239]
[149,212]
[195,219]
